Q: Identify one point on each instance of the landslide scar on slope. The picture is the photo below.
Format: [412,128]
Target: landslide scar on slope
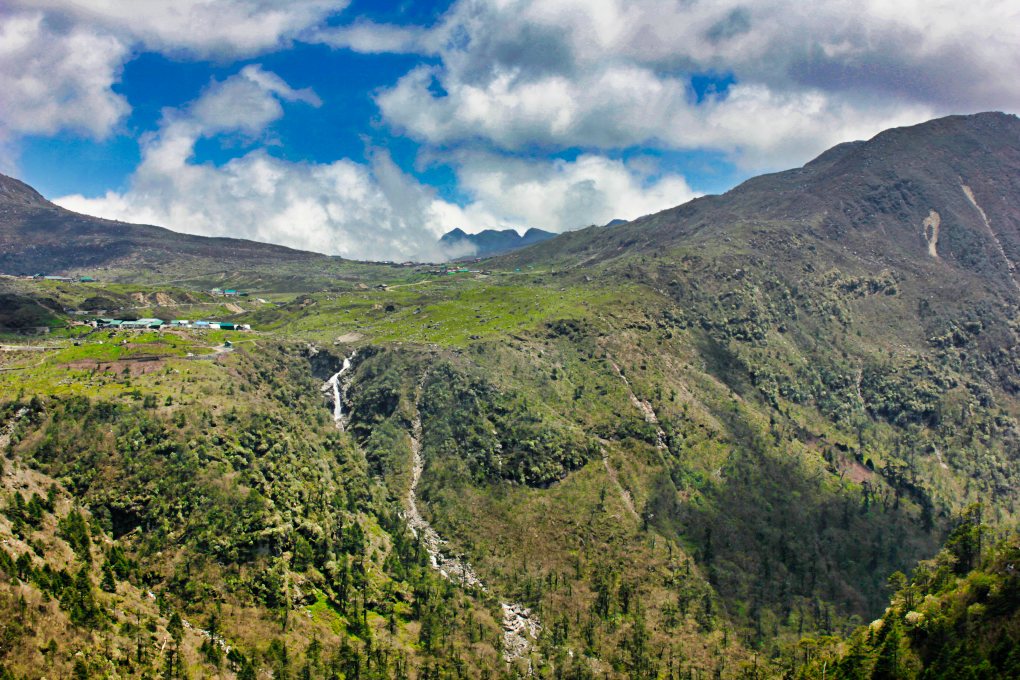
[930,225]
[991,232]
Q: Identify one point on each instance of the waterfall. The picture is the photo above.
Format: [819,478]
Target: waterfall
[339,390]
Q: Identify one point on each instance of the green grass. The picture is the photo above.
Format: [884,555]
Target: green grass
[73,365]
[446,312]
[324,612]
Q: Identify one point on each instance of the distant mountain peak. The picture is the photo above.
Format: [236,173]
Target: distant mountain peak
[490,241]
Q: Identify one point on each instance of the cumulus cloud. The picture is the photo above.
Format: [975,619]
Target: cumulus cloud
[246,103]
[52,79]
[614,74]
[627,106]
[59,59]
[195,27]
[558,195]
[367,210]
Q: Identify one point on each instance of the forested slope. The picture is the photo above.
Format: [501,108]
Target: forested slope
[698,450]
[956,616]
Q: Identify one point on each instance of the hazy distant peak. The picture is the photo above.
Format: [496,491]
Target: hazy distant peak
[490,241]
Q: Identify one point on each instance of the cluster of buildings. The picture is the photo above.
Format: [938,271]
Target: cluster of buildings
[160,324]
[61,279]
[456,270]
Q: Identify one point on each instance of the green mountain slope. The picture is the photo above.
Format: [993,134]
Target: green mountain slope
[957,616]
[868,200]
[681,444]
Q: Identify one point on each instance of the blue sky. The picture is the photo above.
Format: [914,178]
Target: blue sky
[367,129]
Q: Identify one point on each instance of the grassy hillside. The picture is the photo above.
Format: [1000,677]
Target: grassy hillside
[664,484]
[189,493]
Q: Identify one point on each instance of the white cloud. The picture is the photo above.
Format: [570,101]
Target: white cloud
[371,38]
[52,80]
[629,106]
[365,211]
[247,102]
[369,211]
[558,195]
[59,59]
[613,74]
[195,27]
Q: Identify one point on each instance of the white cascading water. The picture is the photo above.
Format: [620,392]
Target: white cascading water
[338,389]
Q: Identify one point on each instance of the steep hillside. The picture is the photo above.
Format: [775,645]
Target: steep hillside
[956,616]
[180,511]
[693,445]
[38,236]
[943,196]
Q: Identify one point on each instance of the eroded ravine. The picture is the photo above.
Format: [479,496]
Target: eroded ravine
[644,407]
[450,566]
[520,626]
[1010,266]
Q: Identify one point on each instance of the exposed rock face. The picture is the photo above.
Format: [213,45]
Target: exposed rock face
[323,363]
[931,232]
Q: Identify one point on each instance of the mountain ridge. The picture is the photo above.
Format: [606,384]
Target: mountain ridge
[37,235]
[489,242]
[857,194]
